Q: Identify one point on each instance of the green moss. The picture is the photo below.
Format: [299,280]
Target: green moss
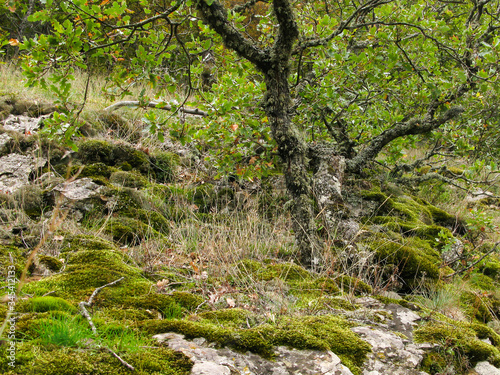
[283,271]
[188,300]
[317,287]
[165,166]
[461,339]
[409,209]
[435,363]
[87,270]
[92,151]
[484,332]
[96,171]
[17,254]
[353,285]
[127,198]
[477,306]
[411,261]
[95,151]
[126,315]
[152,218]
[490,267]
[128,231]
[128,179]
[86,242]
[47,303]
[33,360]
[123,153]
[51,263]
[480,281]
[331,302]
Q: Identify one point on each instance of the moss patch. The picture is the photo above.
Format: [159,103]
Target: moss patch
[119,155]
[35,360]
[457,340]
[47,303]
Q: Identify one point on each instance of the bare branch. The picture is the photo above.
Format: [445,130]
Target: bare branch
[345,24]
[473,264]
[83,304]
[153,104]
[412,127]
[215,15]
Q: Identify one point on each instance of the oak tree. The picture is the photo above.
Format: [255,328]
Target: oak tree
[335,83]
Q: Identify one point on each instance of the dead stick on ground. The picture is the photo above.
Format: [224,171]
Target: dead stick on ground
[82,304]
[86,314]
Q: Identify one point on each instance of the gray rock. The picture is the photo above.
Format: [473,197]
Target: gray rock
[78,190]
[15,170]
[453,253]
[209,368]
[486,368]
[4,140]
[23,124]
[390,354]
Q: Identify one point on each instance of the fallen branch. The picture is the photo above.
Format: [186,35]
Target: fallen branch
[86,314]
[153,104]
[82,304]
[130,367]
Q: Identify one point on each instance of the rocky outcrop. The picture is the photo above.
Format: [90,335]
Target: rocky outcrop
[210,361]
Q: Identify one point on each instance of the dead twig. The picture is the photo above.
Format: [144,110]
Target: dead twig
[87,316]
[473,264]
[84,304]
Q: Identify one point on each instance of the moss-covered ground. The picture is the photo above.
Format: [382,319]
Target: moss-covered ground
[213,259]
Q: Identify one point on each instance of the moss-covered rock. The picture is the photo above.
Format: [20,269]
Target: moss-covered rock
[128,179]
[283,271]
[52,263]
[165,166]
[353,285]
[87,269]
[412,261]
[458,340]
[152,218]
[120,155]
[95,151]
[97,171]
[129,231]
[226,329]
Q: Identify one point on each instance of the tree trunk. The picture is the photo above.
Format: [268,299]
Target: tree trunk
[293,150]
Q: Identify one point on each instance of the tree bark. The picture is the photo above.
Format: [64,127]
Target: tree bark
[274,64]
